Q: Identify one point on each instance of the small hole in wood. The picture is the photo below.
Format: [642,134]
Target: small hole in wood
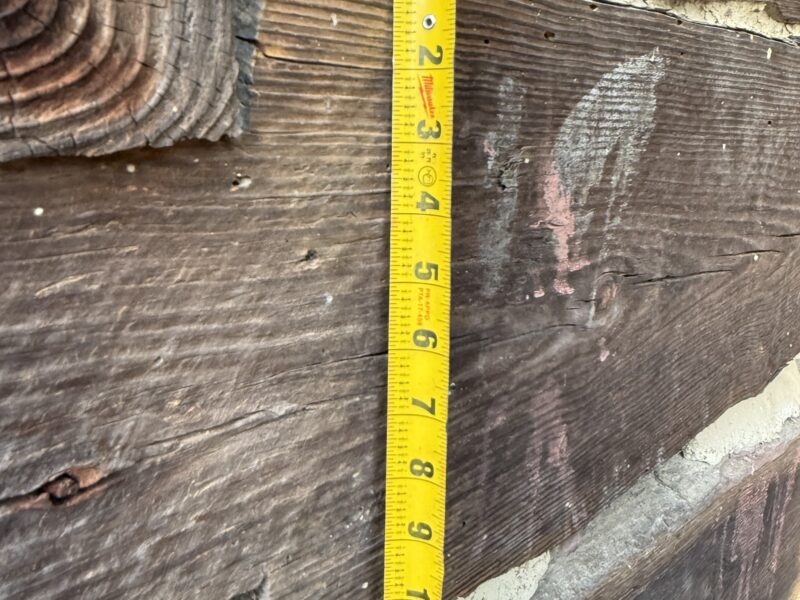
[549,35]
[310,255]
[593,6]
[678,22]
[485,41]
[240,182]
[769,122]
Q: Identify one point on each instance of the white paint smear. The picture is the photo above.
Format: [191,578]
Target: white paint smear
[615,118]
[502,164]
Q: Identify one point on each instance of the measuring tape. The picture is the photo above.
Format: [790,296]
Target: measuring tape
[419,298]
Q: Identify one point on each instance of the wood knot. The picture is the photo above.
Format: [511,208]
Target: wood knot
[72,482]
[96,76]
[604,305]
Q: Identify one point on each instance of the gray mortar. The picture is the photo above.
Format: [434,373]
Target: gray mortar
[758,18]
[663,502]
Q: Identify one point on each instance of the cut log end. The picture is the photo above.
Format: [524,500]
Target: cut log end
[89,77]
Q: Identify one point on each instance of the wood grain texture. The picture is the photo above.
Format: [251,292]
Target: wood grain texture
[205,325]
[745,545]
[96,76]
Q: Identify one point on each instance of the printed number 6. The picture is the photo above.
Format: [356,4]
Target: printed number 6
[425,338]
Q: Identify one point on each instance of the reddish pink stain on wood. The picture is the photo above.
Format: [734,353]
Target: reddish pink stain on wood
[561,221]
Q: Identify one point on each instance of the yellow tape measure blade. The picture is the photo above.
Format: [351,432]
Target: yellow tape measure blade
[419,298]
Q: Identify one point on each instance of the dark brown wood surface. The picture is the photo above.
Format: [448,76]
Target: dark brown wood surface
[745,545]
[95,76]
[193,339]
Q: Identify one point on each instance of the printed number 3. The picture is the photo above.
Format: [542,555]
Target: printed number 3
[431,132]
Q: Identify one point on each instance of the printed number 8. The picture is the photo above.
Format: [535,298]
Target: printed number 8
[421,468]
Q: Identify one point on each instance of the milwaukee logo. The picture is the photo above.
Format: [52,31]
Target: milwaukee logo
[426,93]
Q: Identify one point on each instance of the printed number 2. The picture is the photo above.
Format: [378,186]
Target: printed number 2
[434,58]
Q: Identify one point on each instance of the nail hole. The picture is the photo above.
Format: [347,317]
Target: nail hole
[593,6]
[549,35]
[769,122]
[678,22]
[485,41]
[310,255]
[240,182]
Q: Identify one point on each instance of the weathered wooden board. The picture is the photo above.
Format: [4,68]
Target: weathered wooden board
[746,545]
[96,76]
[208,330]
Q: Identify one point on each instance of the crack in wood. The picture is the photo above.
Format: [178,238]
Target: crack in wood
[74,485]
